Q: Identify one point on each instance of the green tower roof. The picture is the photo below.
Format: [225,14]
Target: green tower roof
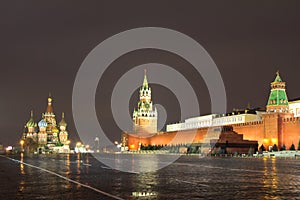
[278,95]
[277,79]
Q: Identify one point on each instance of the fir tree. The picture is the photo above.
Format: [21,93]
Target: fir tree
[275,148]
[250,152]
[298,146]
[283,148]
[262,148]
[292,148]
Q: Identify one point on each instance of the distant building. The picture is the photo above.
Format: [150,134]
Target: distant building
[279,124]
[46,134]
[214,120]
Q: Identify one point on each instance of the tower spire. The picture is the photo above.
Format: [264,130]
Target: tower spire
[145,83]
[278,79]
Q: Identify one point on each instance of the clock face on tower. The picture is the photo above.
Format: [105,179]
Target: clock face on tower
[147,105]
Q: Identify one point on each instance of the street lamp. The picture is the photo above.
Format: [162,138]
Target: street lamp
[22,144]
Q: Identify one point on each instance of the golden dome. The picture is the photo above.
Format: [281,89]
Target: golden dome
[62,122]
[55,130]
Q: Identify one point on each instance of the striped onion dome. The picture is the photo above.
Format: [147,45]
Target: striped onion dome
[31,122]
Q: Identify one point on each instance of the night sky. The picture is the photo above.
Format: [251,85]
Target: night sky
[43,44]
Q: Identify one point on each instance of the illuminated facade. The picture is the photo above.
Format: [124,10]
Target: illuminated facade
[45,134]
[294,107]
[214,120]
[145,117]
[279,124]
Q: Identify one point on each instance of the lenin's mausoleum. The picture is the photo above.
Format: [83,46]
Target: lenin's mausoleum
[278,124]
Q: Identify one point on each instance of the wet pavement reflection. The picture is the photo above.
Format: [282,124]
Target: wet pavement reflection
[190,177]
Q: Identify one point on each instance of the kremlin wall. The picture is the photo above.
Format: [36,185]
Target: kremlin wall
[279,124]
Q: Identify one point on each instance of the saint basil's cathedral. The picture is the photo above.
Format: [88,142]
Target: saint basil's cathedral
[46,135]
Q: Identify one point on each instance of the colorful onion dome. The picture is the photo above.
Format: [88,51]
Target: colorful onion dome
[55,130]
[42,123]
[62,122]
[31,122]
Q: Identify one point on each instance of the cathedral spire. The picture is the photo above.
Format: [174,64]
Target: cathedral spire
[49,107]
